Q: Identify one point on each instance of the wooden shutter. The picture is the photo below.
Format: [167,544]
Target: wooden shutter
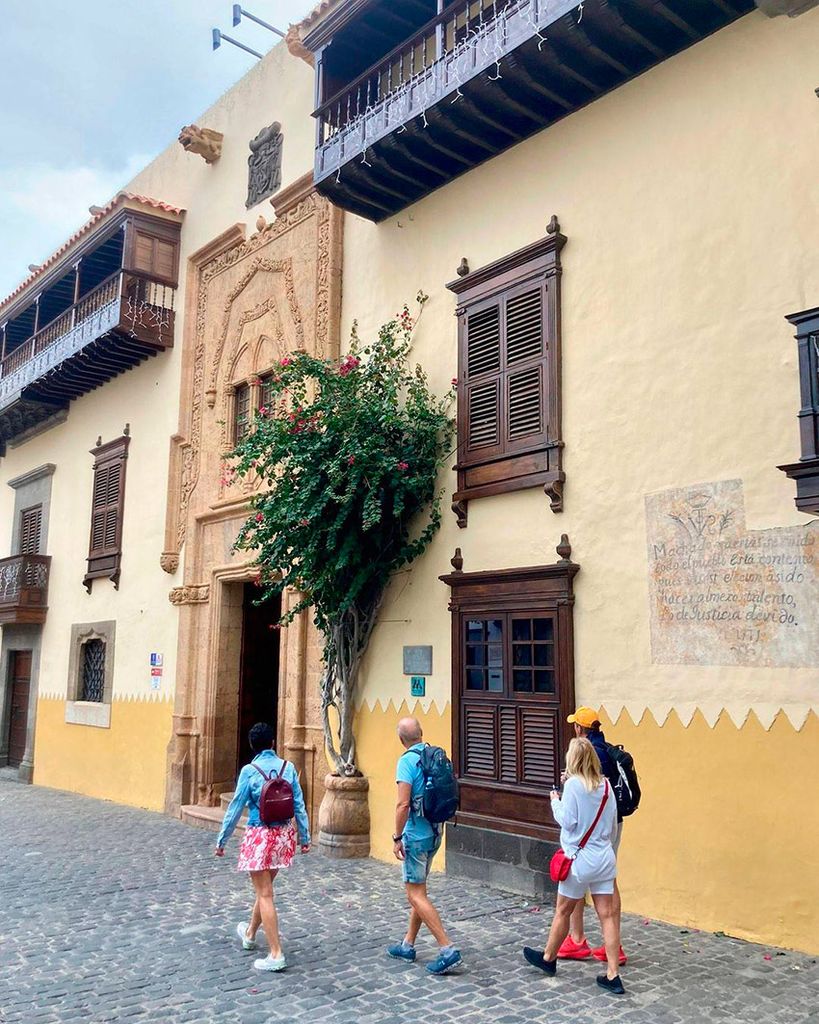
[480,427]
[479,741]
[538,760]
[107,507]
[154,257]
[107,510]
[31,520]
[526,348]
[503,356]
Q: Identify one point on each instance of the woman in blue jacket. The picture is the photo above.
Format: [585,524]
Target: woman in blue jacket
[265,849]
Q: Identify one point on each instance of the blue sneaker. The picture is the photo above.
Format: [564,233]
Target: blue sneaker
[444,962]
[400,952]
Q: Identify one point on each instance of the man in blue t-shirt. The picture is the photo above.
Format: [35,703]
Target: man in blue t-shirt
[415,843]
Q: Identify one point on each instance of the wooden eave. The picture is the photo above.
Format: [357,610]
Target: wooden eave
[338,18]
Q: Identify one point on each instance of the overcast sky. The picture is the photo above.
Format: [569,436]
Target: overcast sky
[91,90]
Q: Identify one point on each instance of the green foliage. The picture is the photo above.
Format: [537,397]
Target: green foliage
[350,454]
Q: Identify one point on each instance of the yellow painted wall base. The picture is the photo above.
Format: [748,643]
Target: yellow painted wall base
[378,751]
[125,763]
[725,837]
[727,832]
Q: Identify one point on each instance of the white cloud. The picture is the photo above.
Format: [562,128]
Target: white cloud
[41,206]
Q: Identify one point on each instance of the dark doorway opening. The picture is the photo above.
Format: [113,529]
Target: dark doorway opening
[20,679]
[259,679]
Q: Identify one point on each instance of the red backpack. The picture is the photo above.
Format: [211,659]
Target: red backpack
[276,799]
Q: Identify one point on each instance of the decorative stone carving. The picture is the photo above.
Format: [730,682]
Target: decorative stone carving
[203,141]
[169,562]
[264,164]
[297,47]
[198,594]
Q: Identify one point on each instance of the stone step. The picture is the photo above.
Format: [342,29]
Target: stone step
[207,817]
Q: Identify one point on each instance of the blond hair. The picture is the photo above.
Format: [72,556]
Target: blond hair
[582,761]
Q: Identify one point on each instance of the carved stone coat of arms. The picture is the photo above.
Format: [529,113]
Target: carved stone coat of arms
[264,164]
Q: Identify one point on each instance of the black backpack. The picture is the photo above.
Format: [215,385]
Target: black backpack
[440,799]
[625,784]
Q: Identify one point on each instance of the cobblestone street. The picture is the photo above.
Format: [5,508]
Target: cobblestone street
[114,914]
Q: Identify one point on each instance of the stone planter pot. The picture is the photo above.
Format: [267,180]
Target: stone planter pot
[344,818]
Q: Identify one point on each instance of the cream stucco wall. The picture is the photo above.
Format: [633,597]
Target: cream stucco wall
[690,201]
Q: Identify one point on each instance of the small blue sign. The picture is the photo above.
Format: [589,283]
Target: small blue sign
[156,660]
[418,686]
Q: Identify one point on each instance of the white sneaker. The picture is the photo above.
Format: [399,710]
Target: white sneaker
[241,931]
[270,963]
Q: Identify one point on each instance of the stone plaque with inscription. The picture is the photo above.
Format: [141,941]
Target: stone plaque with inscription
[723,595]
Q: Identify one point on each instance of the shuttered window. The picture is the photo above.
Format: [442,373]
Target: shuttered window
[509,699]
[31,521]
[155,256]
[107,511]
[503,354]
[509,376]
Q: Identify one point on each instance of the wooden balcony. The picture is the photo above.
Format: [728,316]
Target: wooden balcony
[806,471]
[126,319]
[478,78]
[24,589]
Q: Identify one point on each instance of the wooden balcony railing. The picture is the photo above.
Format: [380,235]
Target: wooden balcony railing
[24,589]
[129,303]
[461,26]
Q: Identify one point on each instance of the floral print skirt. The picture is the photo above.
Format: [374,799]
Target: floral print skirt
[267,849]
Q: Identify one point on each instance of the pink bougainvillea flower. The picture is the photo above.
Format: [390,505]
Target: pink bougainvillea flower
[263,410]
[286,361]
[351,460]
[403,465]
[454,382]
[304,522]
[259,517]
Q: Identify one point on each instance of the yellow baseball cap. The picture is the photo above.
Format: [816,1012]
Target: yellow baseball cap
[585,717]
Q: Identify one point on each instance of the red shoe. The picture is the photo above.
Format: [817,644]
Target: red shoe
[571,950]
[600,954]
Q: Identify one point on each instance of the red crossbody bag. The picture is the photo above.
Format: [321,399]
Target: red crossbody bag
[560,865]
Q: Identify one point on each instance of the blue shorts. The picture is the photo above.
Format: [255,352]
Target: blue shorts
[418,854]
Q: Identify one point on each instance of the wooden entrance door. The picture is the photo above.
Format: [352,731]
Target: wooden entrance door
[259,685]
[20,678]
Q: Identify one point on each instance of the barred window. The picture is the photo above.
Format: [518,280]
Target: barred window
[93,671]
[241,425]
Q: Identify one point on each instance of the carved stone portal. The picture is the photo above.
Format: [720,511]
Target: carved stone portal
[203,141]
[254,298]
[264,164]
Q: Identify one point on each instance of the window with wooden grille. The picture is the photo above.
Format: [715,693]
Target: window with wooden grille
[31,522]
[241,418]
[107,511]
[509,434]
[512,690]
[93,671]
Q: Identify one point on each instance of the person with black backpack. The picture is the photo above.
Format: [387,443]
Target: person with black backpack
[269,787]
[617,766]
[427,797]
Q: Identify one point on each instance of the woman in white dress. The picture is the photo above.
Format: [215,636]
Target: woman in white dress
[588,807]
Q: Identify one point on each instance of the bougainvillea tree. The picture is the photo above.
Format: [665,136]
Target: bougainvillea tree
[349,454]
